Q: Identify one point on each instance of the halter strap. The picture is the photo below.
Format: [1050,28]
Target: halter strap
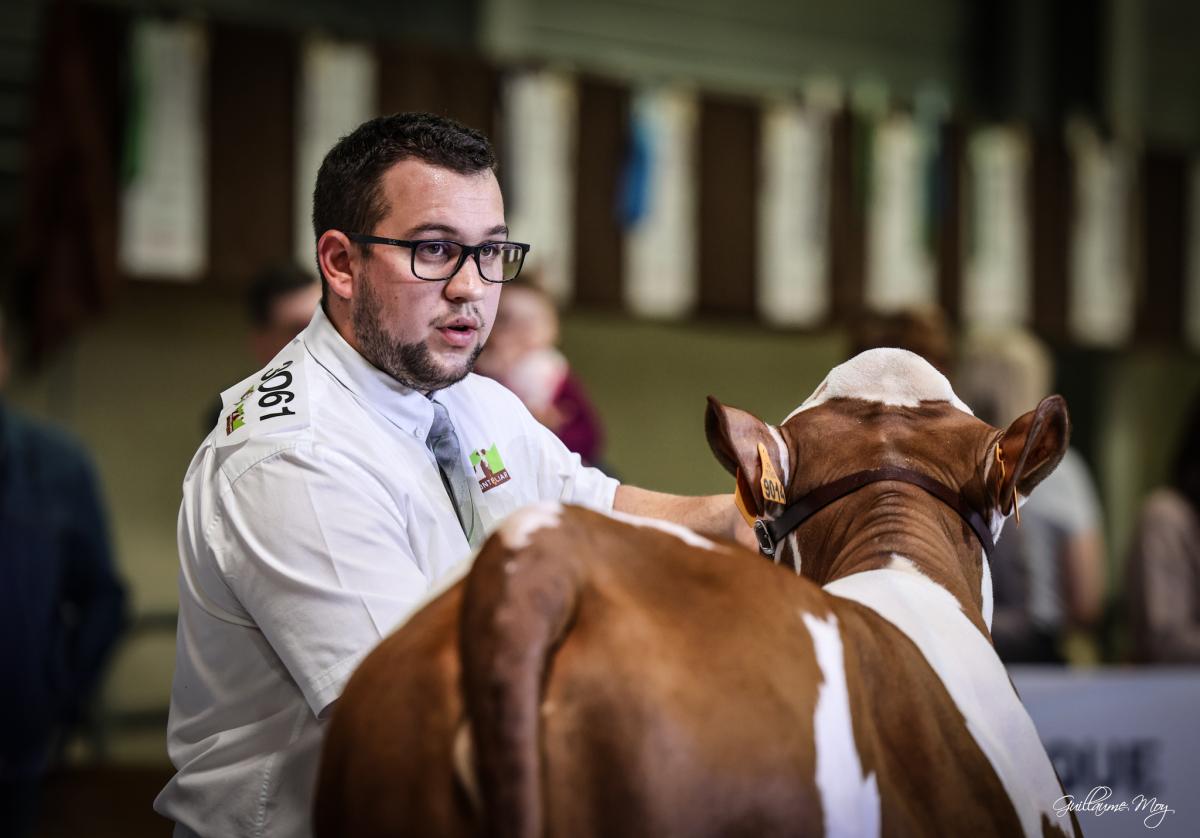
[770,533]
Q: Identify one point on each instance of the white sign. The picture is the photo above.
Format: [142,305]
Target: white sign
[1125,743]
[164,207]
[1101,302]
[661,277]
[540,115]
[337,93]
[901,271]
[996,288]
[793,282]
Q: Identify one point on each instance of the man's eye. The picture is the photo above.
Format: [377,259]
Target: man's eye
[436,251]
[489,251]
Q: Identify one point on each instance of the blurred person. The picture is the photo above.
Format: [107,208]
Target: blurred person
[279,303]
[357,473]
[1163,567]
[924,330]
[522,354]
[62,604]
[1048,569]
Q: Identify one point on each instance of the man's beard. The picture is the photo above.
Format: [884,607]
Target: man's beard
[411,364]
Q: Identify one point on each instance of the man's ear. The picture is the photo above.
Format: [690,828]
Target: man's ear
[337,258]
[734,437]
[1029,449]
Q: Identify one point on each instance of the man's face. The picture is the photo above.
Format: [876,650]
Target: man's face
[426,335]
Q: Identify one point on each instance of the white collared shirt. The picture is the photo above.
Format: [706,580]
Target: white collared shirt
[315,521]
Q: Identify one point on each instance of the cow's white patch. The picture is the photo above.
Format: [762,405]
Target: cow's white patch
[518,528]
[849,800]
[890,376]
[785,466]
[793,541]
[682,533]
[973,676]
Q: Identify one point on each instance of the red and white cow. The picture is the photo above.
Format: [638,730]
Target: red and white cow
[600,675]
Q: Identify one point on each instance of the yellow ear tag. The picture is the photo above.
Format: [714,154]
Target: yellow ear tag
[740,502]
[772,486]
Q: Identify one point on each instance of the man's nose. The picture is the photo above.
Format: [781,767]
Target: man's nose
[467,285]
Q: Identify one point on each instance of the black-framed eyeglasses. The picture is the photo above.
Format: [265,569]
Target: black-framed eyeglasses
[436,260]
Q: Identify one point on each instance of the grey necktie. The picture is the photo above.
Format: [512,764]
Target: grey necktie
[443,442]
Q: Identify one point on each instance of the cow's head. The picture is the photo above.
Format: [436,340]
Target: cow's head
[887,409]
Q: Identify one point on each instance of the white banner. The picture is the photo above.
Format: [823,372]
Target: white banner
[1125,743]
[1100,302]
[661,277]
[164,207]
[901,271]
[996,282]
[541,110]
[793,281]
[337,93]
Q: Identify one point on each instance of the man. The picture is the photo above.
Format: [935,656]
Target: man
[346,480]
[62,605]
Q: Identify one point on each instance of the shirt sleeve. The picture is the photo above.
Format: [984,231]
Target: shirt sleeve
[316,550]
[565,477]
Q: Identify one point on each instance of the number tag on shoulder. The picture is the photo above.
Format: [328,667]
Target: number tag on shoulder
[272,400]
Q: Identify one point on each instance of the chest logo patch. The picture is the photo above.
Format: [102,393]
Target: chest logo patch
[489,468]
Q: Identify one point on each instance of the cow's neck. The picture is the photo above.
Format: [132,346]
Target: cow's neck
[878,524]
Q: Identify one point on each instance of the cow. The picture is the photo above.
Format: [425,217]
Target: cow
[600,675]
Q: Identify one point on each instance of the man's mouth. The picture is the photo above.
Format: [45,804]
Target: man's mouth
[460,331]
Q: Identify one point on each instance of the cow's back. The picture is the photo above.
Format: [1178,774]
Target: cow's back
[694,691]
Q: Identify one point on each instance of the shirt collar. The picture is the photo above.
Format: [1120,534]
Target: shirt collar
[407,409]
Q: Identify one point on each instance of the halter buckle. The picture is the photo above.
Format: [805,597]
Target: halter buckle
[765,543]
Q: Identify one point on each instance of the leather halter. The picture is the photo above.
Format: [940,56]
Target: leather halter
[770,533]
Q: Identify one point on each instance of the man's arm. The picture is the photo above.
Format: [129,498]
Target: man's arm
[711,515]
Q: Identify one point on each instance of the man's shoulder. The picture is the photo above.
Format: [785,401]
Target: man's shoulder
[271,402]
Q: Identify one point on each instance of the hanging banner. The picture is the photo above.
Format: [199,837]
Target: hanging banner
[900,266]
[164,205]
[661,278]
[996,282]
[1191,289]
[793,285]
[337,93]
[541,110]
[1101,299]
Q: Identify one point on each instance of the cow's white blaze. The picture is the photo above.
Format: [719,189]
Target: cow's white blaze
[973,676]
[849,800]
[685,535]
[890,376]
[518,528]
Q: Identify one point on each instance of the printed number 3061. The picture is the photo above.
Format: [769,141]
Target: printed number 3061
[274,387]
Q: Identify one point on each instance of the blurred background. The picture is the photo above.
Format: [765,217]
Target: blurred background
[723,198]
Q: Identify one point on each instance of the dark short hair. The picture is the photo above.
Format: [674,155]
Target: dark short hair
[349,191]
[271,284]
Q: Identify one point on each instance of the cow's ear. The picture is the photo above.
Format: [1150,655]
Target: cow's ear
[1028,451]
[735,437]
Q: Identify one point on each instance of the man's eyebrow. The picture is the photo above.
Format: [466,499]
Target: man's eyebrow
[452,232]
